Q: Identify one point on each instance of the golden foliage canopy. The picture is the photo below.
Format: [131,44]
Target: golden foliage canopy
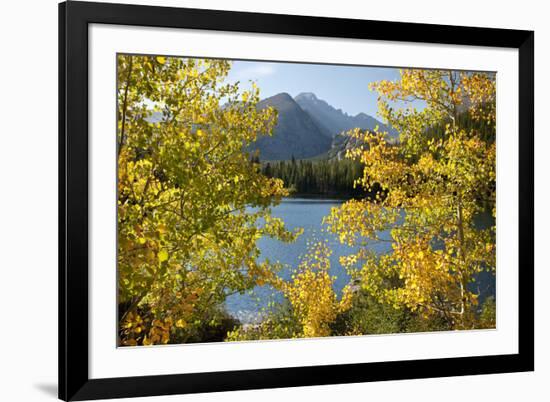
[191,204]
[437,181]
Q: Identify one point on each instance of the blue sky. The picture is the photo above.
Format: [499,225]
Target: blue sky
[344,87]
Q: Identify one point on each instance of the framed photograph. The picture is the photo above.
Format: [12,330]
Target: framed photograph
[258,201]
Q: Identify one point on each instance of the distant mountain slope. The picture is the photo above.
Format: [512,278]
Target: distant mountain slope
[340,144]
[335,120]
[296,134]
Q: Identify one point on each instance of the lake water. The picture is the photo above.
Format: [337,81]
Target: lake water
[308,214]
[297,213]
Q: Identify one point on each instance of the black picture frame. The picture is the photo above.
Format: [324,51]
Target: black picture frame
[74,381]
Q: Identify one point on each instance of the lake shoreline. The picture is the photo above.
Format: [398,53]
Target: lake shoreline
[320,197]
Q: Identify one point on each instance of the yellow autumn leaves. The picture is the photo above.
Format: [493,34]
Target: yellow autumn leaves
[438,182]
[185,237]
[311,292]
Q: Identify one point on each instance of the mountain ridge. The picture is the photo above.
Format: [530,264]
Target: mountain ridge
[295,135]
[309,127]
[336,120]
